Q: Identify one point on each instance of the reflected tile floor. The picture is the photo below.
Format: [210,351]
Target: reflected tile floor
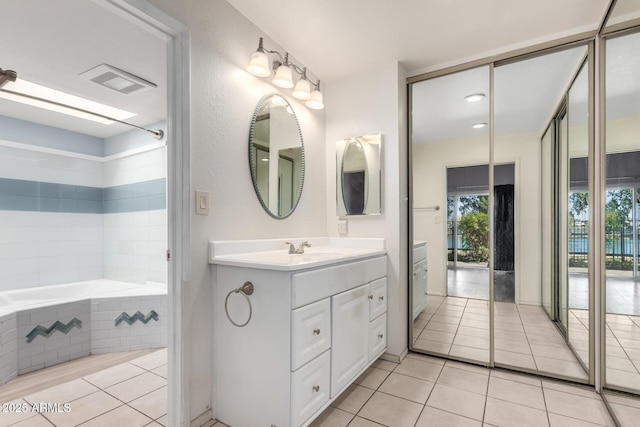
[524,335]
[427,391]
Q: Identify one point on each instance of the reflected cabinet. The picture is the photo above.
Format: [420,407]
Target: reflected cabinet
[524,220]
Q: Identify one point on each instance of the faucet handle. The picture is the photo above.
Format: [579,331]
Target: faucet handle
[305,243]
[292,248]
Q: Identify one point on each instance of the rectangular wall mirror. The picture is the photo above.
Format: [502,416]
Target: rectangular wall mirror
[358,170]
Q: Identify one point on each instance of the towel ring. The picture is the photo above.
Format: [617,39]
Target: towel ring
[246,289]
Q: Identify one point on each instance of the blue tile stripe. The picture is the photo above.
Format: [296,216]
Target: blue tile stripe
[21,195]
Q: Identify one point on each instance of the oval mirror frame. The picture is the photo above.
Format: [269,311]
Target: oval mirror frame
[278,189]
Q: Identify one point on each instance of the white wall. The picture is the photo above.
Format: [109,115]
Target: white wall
[430,162]
[363,105]
[223,99]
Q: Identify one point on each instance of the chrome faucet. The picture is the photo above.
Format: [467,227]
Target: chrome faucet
[300,250]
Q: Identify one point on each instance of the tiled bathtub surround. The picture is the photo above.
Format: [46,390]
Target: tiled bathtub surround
[65,219]
[98,332]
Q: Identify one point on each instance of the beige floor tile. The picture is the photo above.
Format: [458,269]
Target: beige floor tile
[385,365]
[520,378]
[621,364]
[154,404]
[502,413]
[546,340]
[441,327]
[512,346]
[84,409]
[164,420]
[372,378]
[574,406]
[561,367]
[626,415]
[437,336]
[120,416]
[391,411]
[152,360]
[13,416]
[332,417]
[515,359]
[353,398]
[463,380]
[623,400]
[467,367]
[473,332]
[111,376]
[511,336]
[419,368]
[432,417]
[624,379]
[426,357]
[37,421]
[433,346]
[361,422]
[465,403]
[405,387]
[446,319]
[556,420]
[470,353]
[63,393]
[516,392]
[163,371]
[472,341]
[511,327]
[561,353]
[580,390]
[419,323]
[136,386]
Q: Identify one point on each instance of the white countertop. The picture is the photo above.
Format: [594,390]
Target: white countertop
[323,252]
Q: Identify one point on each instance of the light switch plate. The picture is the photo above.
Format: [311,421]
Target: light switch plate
[342,227]
[202,202]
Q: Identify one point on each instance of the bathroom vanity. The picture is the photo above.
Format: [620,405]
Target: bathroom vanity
[314,323]
[419,277]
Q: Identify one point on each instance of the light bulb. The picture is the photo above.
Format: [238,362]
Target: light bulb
[316,101]
[479,125]
[474,97]
[302,89]
[259,65]
[283,77]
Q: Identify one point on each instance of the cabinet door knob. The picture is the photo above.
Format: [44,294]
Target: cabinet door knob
[316,332]
[370,296]
[381,298]
[316,388]
[380,336]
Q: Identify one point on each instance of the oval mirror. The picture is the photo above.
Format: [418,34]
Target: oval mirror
[276,156]
[358,180]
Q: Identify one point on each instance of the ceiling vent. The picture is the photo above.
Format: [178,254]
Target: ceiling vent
[117,79]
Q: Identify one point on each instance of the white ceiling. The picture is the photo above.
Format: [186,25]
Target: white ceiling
[50,42]
[337,38]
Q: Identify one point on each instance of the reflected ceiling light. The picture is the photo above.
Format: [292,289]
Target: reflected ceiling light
[475,97]
[278,101]
[479,125]
[304,89]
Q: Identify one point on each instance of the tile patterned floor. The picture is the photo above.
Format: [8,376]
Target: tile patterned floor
[426,391]
[524,336]
[132,394]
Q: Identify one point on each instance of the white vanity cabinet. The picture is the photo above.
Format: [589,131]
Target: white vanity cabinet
[312,332]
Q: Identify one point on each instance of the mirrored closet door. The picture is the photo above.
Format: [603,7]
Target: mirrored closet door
[450,194]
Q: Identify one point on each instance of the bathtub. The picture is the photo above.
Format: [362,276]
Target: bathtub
[44,326]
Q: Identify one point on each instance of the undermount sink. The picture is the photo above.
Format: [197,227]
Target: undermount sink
[281,259]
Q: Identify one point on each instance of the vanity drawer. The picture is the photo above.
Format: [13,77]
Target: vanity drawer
[378,298]
[310,388]
[377,337]
[310,332]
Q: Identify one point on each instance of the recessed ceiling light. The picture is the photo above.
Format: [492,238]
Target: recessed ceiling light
[60,99]
[474,97]
[479,125]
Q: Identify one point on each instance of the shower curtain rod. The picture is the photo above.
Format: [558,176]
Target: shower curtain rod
[157,134]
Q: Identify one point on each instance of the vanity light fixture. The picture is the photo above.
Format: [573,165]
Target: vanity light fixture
[304,89]
[475,97]
[479,125]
